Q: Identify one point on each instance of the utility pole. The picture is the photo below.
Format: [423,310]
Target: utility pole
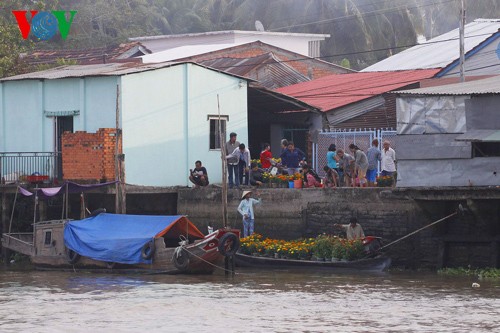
[462,37]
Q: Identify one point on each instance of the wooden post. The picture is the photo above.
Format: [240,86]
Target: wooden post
[224,169]
[120,191]
[5,251]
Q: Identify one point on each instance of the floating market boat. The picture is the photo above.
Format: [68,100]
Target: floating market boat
[376,264]
[120,242]
[370,260]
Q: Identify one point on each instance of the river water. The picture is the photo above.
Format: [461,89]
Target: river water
[252,301]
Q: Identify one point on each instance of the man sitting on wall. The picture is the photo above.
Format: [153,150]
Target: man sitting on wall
[198,176]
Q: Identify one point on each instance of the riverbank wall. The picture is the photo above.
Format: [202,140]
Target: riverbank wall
[471,238]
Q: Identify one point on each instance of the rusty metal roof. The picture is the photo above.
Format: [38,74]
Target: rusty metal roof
[268,70]
[87,56]
[334,91]
[111,69]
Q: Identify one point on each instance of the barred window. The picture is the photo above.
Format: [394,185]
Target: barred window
[215,139]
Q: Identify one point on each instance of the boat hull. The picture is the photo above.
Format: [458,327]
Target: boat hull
[377,264]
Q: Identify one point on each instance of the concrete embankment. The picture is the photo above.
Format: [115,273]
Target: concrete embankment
[462,240]
[469,239]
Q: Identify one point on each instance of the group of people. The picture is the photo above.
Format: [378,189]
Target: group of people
[354,169]
[359,169]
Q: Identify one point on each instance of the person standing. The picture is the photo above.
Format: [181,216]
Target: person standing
[245,208]
[266,156]
[388,164]
[232,163]
[353,230]
[242,155]
[330,157]
[292,157]
[360,164]
[374,156]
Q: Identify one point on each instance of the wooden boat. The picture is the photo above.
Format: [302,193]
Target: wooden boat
[135,243]
[121,242]
[376,264]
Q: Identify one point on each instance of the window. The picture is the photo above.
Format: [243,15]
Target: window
[485,149]
[48,238]
[215,139]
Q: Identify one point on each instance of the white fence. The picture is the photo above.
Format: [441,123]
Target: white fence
[343,138]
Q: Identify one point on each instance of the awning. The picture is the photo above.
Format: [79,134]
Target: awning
[47,192]
[480,136]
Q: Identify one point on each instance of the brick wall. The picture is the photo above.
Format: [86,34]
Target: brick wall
[89,156]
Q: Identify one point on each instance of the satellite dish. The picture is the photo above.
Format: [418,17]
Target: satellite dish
[259,26]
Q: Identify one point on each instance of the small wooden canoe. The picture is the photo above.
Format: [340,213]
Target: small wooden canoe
[376,264]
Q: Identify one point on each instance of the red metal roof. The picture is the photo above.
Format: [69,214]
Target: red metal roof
[338,90]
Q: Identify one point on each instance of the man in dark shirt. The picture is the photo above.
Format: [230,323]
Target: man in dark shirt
[198,176]
[292,157]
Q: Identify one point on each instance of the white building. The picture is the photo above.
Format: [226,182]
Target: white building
[184,45]
[167,113]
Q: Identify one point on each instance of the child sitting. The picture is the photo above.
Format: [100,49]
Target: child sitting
[311,178]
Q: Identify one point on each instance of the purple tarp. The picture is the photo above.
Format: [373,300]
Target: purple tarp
[47,192]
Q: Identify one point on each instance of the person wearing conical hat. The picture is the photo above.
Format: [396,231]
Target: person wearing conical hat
[245,208]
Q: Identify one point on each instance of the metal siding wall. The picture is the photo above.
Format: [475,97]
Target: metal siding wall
[431,147]
[449,172]
[482,112]
[485,62]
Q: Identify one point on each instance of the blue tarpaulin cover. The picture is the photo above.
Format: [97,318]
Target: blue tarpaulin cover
[119,238]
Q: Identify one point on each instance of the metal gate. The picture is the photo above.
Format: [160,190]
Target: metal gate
[343,138]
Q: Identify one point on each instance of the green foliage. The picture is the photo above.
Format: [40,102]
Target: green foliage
[355,27]
[488,273]
[323,246]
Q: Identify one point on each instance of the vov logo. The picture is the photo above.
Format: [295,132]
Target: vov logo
[44,24]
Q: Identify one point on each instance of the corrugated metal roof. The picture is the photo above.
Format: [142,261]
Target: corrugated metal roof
[184,52]
[440,51]
[477,87]
[111,69]
[266,68]
[480,136]
[86,56]
[337,90]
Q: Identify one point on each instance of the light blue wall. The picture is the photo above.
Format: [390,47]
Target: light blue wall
[100,104]
[25,127]
[165,125]
[22,128]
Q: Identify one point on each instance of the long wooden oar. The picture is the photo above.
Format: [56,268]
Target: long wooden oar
[427,226]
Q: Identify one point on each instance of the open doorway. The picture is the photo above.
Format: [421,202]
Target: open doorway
[62,124]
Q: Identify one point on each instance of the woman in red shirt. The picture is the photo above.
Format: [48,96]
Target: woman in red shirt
[266,156]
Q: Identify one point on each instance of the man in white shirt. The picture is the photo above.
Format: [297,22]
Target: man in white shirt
[353,230]
[388,163]
[242,154]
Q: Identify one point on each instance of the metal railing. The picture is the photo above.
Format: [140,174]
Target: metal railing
[27,166]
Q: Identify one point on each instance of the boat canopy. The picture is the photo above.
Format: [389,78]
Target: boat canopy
[120,238]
